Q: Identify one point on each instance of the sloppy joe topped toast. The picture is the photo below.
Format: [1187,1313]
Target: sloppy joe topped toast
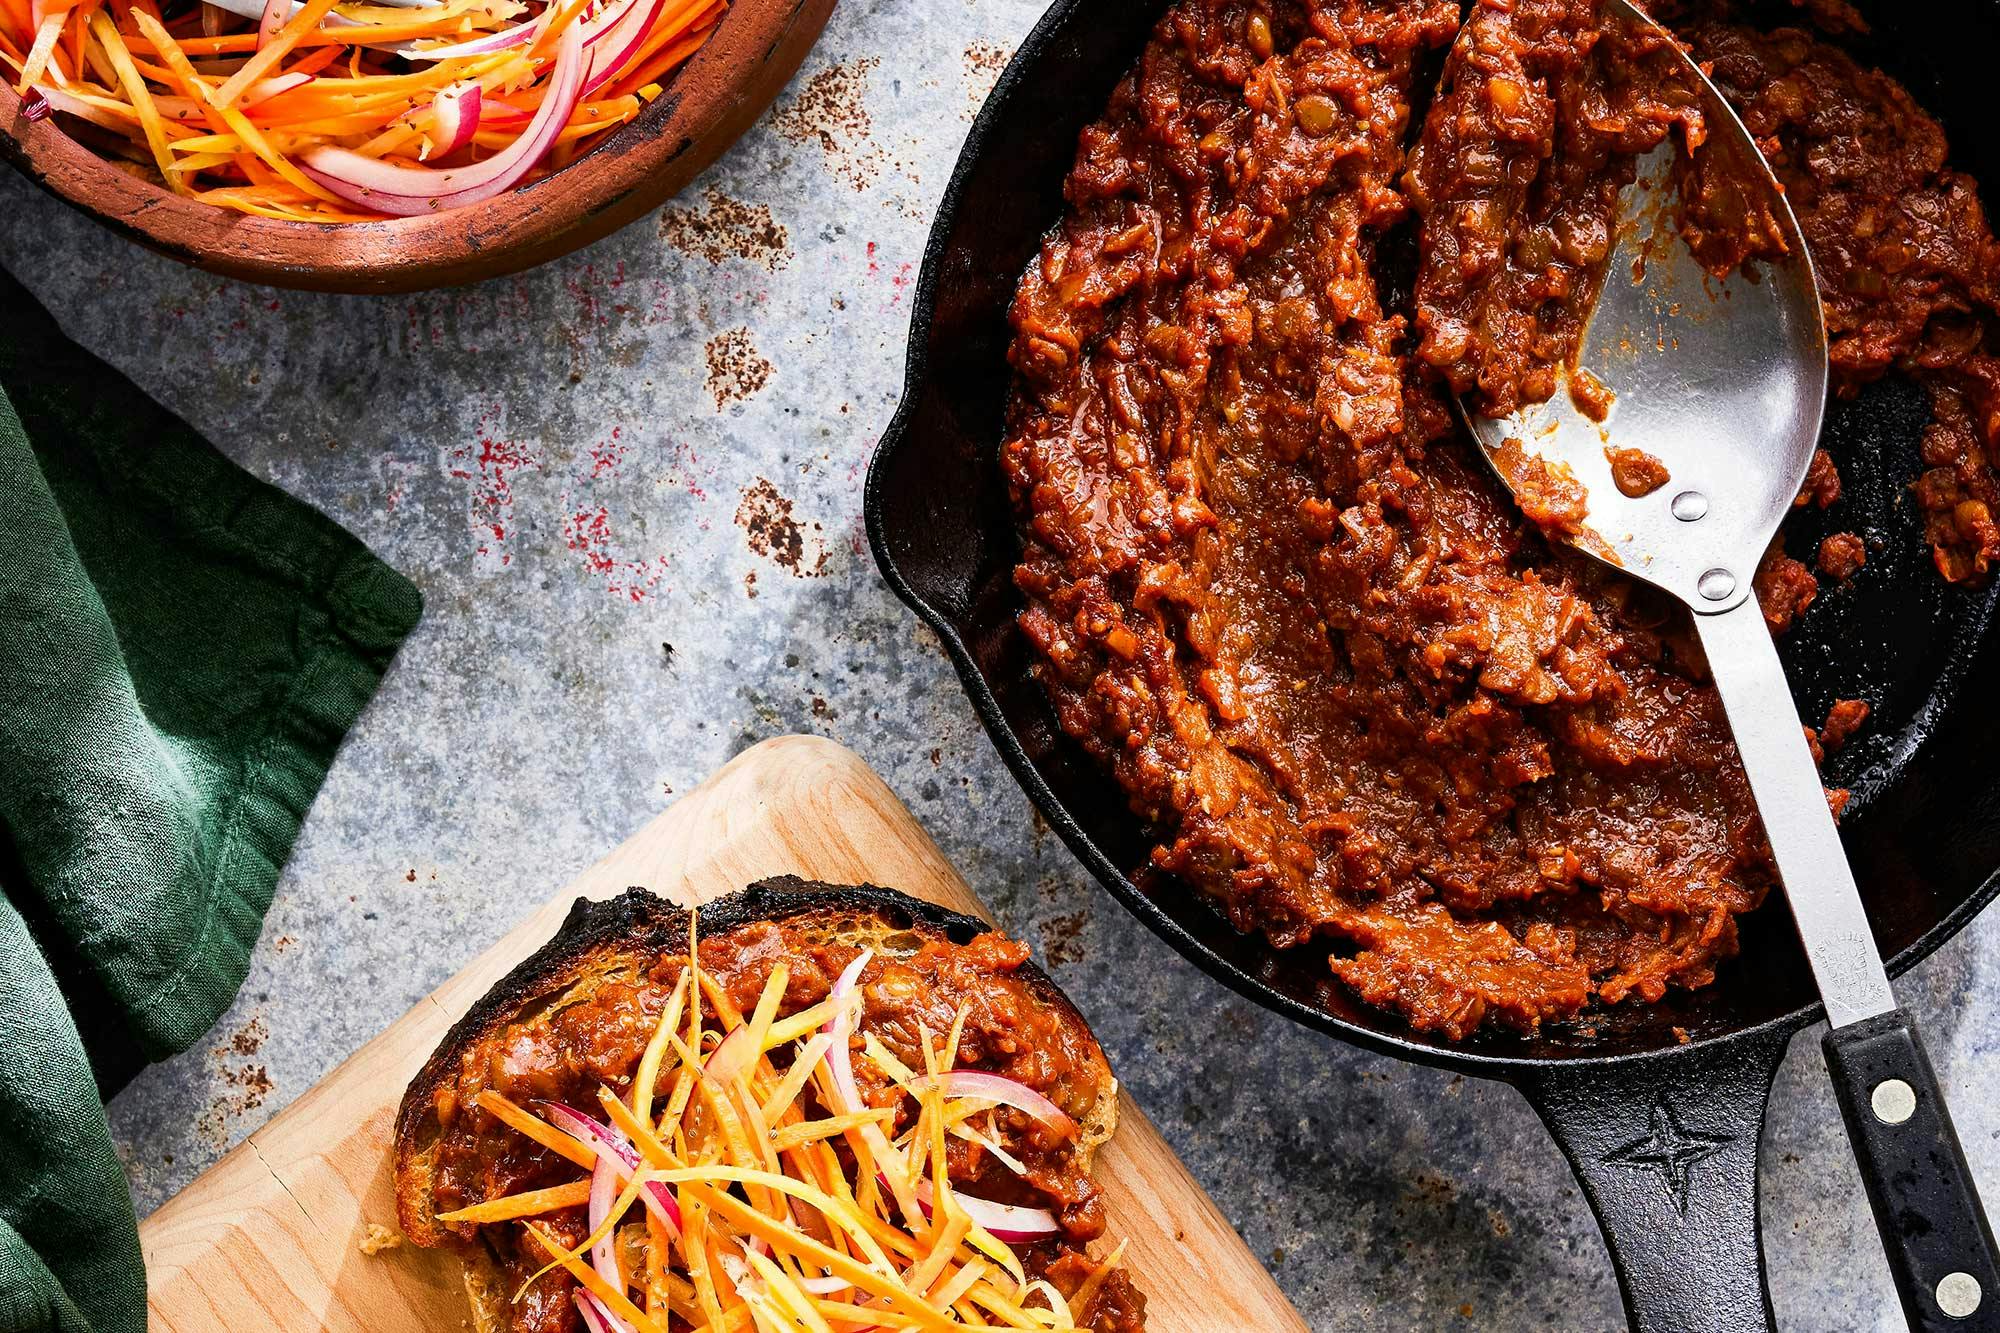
[858,1110]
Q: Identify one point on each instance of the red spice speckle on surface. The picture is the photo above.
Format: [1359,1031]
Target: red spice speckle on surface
[588,533]
[606,455]
[1062,939]
[249,1039]
[490,466]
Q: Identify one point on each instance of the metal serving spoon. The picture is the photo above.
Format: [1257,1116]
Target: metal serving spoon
[1724,383]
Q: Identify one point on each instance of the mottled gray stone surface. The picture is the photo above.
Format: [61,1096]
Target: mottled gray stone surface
[584,464]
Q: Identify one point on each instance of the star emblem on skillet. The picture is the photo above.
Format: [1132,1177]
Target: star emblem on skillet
[1669,1150]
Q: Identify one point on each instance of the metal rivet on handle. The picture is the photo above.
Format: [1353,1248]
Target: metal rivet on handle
[1894,1101]
[1717,584]
[1958,1294]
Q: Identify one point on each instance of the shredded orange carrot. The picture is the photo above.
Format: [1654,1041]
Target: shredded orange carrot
[233,116]
[135,88]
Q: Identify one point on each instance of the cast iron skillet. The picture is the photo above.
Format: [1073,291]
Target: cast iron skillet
[1658,1109]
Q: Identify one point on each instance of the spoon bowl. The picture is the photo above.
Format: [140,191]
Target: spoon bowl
[1720,380]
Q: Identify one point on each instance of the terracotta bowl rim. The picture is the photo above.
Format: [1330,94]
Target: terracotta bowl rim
[711,99]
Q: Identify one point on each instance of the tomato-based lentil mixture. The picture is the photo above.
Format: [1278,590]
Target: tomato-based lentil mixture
[1271,585]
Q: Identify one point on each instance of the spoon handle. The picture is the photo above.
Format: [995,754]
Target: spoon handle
[1925,1201]
[1926,1204]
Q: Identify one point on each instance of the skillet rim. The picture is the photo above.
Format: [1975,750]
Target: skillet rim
[896,436]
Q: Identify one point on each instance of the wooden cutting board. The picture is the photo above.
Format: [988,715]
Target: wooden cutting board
[270,1237]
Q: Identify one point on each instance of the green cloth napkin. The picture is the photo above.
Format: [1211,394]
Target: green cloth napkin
[182,648]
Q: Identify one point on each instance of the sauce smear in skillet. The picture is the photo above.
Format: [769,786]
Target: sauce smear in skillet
[1273,588]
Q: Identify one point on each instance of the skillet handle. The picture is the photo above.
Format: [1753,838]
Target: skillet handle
[1926,1204]
[1665,1147]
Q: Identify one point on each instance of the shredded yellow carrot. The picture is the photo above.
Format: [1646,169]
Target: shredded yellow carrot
[135,88]
[656,1050]
[232,115]
[46,38]
[791,1136]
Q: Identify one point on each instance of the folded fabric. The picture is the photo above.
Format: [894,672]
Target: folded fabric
[182,648]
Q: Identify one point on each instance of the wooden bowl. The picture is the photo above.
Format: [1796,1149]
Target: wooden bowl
[711,100]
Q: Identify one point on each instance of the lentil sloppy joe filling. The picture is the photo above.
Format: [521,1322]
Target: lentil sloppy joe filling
[563,1052]
[1272,587]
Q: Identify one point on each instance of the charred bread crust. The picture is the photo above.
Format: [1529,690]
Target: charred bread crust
[639,921]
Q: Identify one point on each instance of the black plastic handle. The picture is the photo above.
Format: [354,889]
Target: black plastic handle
[1926,1203]
[1665,1146]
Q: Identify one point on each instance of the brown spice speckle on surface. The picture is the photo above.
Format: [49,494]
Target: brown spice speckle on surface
[248,1039]
[245,1086]
[725,229]
[766,517]
[983,63]
[1062,938]
[736,370]
[830,111]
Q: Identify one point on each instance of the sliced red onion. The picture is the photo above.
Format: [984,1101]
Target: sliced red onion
[457,112]
[823,1286]
[413,191]
[254,9]
[482,45]
[597,1316]
[603,1192]
[495,114]
[731,1058]
[628,26]
[184,109]
[265,89]
[655,1194]
[487,43]
[1005,1221]
[841,1028]
[1002,1091]
[35,106]
[61,101]
[271,19]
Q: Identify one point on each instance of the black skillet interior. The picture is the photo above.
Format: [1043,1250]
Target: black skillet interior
[1924,827]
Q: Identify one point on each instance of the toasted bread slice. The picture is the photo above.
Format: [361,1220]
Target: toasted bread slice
[611,943]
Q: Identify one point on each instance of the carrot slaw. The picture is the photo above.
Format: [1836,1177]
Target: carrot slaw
[730,1207]
[345,110]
